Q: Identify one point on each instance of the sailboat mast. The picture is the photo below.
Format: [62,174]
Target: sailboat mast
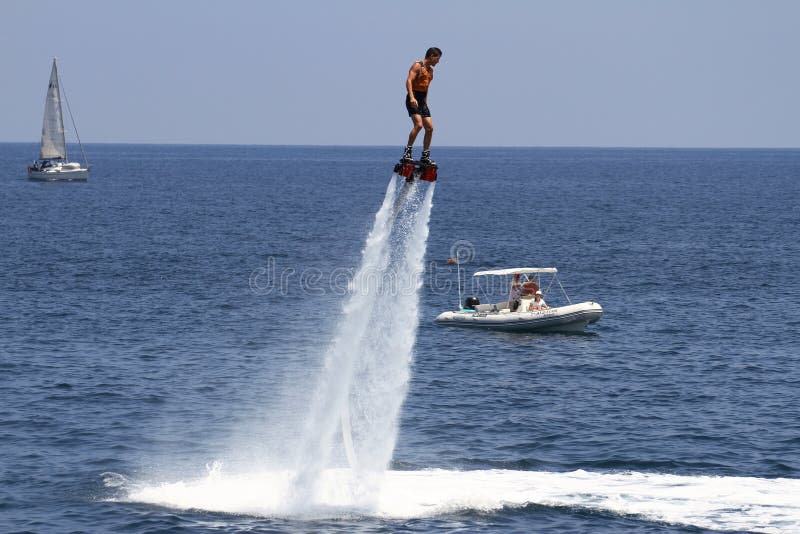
[60,112]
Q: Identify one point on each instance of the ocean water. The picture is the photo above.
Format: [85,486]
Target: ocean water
[166,326]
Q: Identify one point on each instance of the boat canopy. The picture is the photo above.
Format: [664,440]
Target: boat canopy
[518,270]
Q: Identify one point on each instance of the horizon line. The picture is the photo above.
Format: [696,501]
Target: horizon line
[313,145]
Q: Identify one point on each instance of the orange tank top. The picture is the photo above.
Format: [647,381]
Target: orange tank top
[423,79]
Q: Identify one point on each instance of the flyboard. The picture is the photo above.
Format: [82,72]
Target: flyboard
[414,170]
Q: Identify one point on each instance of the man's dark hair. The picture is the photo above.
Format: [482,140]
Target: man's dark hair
[433,51]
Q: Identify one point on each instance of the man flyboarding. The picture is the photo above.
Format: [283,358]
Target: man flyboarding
[419,78]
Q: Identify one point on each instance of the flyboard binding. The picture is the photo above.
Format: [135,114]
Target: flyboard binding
[414,170]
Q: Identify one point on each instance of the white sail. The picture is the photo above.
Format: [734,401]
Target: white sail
[54,145]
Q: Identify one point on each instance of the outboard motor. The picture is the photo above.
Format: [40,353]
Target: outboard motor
[471,302]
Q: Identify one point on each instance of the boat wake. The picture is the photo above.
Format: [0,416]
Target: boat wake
[717,503]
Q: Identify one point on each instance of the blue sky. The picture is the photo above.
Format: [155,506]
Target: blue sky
[678,73]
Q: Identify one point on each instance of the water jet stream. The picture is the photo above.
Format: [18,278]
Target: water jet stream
[367,365]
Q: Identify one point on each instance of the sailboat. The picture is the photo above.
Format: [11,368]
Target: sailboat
[53,165]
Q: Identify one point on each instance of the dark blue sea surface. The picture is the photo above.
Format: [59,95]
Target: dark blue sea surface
[174,311]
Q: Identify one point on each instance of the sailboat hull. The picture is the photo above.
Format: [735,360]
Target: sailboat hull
[59,173]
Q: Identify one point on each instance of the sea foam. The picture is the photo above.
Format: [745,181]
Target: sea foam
[712,502]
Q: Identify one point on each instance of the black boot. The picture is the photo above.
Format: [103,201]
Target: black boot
[407,154]
[426,158]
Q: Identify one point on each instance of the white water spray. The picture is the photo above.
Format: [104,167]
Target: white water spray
[367,366]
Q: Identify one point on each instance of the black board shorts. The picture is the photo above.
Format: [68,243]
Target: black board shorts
[422,104]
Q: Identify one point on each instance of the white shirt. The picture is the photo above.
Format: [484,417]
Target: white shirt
[538,305]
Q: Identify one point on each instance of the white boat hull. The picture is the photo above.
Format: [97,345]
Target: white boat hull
[572,318]
[69,172]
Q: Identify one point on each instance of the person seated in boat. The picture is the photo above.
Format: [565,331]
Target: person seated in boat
[538,302]
[514,293]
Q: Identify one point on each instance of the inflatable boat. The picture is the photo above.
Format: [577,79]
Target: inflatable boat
[526,316]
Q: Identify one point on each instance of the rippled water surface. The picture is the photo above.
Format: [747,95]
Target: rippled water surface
[165,322]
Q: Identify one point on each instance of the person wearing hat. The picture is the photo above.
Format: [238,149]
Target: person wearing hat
[538,302]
